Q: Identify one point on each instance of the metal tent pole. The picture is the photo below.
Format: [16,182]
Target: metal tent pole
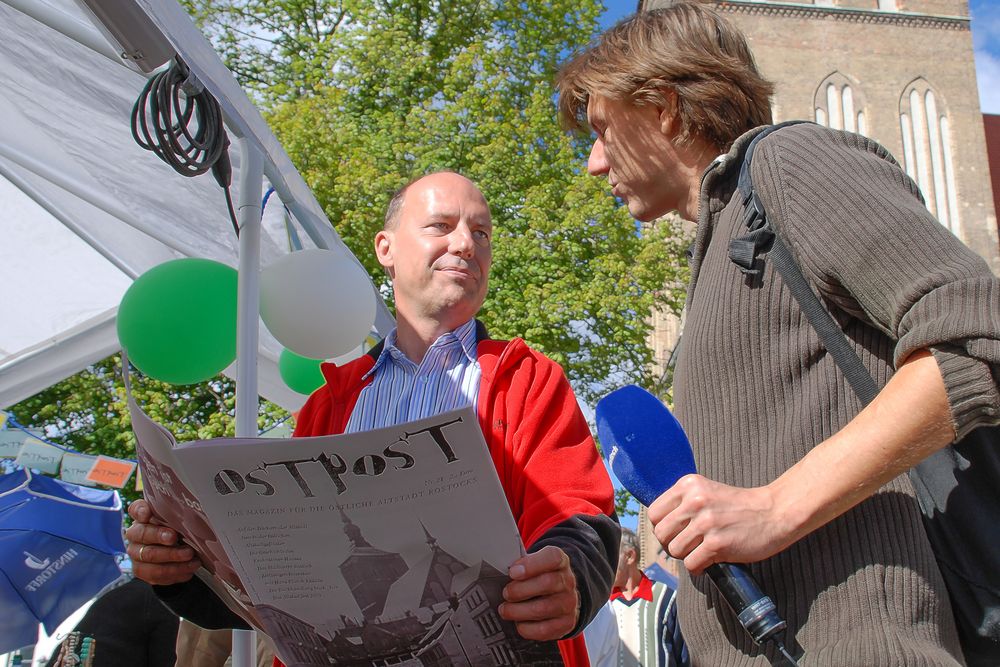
[247,331]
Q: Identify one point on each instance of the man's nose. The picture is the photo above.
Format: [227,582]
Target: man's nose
[597,164]
[461,242]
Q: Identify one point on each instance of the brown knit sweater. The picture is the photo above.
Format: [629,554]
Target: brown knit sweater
[755,389]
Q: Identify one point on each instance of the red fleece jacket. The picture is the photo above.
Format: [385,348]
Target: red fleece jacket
[539,440]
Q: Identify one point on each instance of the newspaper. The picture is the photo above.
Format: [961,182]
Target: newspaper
[387,547]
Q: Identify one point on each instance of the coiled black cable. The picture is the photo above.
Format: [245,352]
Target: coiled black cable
[181,123]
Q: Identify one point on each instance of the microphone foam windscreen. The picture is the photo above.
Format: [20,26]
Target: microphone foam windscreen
[643,442]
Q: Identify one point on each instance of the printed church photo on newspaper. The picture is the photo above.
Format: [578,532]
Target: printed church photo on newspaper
[450,606]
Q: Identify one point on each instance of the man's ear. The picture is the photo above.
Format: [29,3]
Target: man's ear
[669,118]
[383,250]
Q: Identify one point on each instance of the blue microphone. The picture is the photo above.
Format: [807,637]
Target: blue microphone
[648,451]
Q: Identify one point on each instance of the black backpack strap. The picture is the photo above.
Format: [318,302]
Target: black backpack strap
[833,337]
[745,251]
[763,237]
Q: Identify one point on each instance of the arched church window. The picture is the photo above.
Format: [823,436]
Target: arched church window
[838,104]
[927,156]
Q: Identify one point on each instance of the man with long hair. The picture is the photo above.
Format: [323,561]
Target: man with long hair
[796,479]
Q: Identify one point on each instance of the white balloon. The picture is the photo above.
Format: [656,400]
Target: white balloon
[350,356]
[317,303]
[370,341]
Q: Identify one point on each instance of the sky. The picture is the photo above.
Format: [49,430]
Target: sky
[985,41]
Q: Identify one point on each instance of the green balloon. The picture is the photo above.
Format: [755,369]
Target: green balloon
[177,321]
[301,374]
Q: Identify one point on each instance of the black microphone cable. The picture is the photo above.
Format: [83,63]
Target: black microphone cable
[181,123]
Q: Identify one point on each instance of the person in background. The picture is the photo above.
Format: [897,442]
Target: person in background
[198,647]
[129,627]
[646,614]
[601,635]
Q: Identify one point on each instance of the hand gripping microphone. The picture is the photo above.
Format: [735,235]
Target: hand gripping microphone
[648,451]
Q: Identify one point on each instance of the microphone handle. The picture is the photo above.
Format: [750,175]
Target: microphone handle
[753,608]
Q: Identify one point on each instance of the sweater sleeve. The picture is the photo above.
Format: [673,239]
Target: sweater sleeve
[591,542]
[196,602]
[560,491]
[858,227]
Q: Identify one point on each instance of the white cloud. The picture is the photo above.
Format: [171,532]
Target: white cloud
[988,77]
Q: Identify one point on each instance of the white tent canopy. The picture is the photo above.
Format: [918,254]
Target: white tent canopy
[85,210]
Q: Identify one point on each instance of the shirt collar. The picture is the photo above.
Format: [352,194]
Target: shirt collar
[464,334]
[645,590]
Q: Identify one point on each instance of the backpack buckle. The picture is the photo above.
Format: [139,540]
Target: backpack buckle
[754,216]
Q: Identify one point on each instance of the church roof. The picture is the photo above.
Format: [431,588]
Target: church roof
[465,579]
[410,590]
[406,593]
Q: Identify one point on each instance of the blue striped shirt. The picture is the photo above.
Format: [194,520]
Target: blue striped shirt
[446,379]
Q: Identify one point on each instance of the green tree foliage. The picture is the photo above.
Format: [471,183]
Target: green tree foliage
[88,412]
[279,49]
[625,503]
[370,94]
